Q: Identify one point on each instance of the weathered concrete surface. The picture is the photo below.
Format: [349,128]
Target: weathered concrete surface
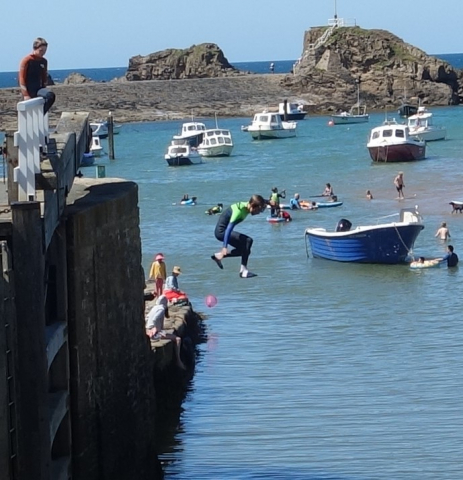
[112,392]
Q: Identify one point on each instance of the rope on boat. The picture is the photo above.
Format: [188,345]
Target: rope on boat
[387,216]
[306,246]
[409,250]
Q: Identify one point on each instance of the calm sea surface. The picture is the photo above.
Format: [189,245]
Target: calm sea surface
[314,369]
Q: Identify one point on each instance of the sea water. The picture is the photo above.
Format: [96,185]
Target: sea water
[314,369]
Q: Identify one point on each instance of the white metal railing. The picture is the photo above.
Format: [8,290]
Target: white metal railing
[31,136]
[320,41]
[333,23]
[336,22]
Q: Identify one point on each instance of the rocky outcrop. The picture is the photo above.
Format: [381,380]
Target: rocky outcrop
[199,61]
[388,69]
[75,79]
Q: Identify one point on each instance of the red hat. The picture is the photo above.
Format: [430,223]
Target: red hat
[159,256]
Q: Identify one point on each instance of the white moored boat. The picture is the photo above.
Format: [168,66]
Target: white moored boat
[291,111]
[391,142]
[192,132]
[181,153]
[217,142]
[421,126]
[96,149]
[268,125]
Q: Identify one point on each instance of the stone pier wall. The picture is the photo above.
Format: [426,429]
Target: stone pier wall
[112,392]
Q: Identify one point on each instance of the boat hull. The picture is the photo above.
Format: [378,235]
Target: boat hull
[182,161]
[429,135]
[386,245]
[216,151]
[404,152]
[271,134]
[293,116]
[328,204]
[88,159]
[349,119]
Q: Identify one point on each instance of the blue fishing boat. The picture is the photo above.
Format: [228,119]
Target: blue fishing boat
[388,243]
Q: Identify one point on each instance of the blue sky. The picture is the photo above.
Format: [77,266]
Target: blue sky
[106,33]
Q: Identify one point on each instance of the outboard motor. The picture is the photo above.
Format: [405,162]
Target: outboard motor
[343,225]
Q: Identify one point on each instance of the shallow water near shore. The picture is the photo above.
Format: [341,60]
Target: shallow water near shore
[313,369]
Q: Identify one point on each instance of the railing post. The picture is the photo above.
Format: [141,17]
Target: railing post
[31,134]
[111,136]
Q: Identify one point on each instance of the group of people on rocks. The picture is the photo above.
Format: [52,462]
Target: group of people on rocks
[166,293]
[166,285]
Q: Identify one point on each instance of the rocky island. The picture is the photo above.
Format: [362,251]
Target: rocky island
[199,81]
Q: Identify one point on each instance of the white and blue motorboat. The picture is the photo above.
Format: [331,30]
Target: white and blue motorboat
[181,153]
[388,243]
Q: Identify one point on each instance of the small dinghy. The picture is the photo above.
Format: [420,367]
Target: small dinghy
[388,243]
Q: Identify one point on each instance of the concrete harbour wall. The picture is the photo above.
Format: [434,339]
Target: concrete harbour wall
[112,392]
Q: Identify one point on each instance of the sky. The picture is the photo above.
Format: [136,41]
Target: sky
[107,33]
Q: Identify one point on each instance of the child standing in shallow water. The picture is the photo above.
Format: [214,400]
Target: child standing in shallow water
[158,273]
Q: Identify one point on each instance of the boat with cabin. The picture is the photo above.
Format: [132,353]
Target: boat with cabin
[291,111]
[406,109]
[217,142]
[392,142]
[388,243]
[422,127]
[96,149]
[180,153]
[267,125]
[192,132]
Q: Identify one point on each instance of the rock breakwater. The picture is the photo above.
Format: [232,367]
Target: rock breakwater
[159,99]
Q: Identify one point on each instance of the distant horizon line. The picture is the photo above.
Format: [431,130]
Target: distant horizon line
[230,61]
